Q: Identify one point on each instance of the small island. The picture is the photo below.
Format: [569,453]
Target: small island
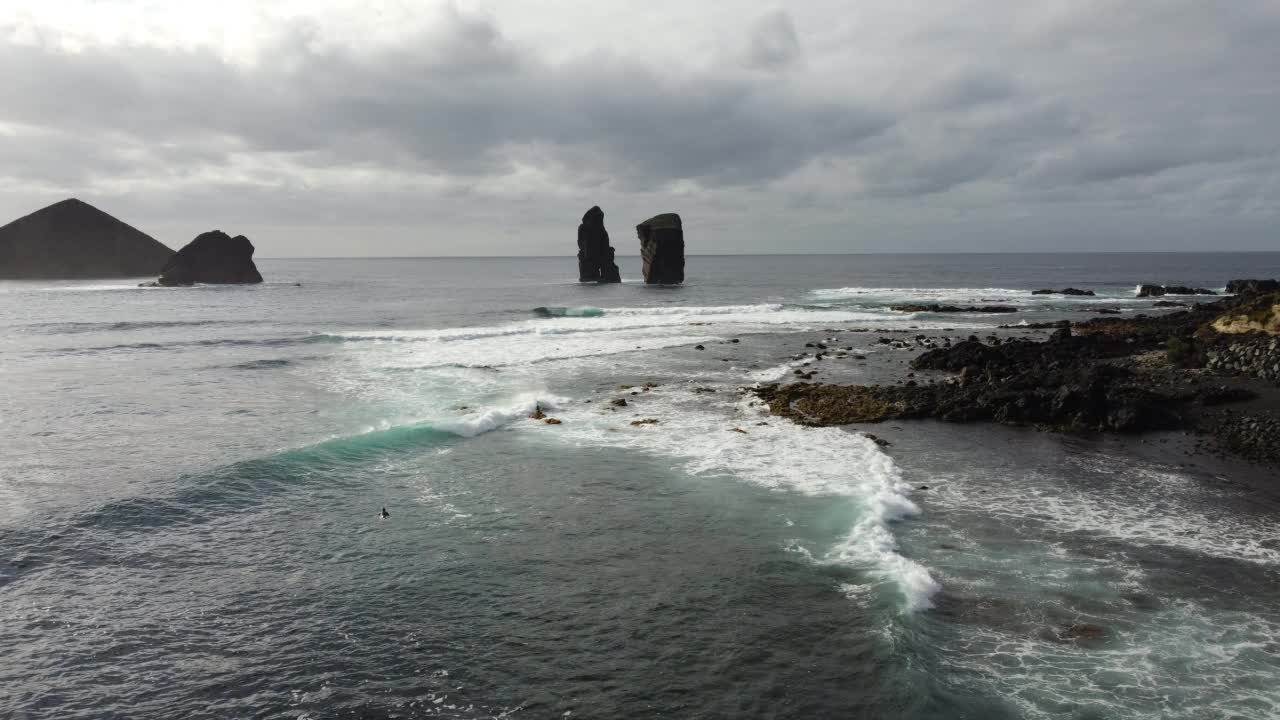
[72,240]
[213,257]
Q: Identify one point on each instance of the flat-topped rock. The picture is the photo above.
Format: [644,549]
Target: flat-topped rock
[1162,290]
[955,308]
[73,239]
[1065,291]
[662,249]
[213,257]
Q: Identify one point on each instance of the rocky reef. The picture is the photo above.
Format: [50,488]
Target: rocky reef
[955,308]
[1162,290]
[1065,291]
[213,257]
[73,239]
[595,255]
[1175,371]
[662,249]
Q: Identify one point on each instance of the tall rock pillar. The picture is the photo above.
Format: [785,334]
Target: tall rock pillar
[595,256]
[662,249]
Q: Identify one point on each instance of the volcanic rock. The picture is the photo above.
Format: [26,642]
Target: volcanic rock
[1160,290]
[213,257]
[72,239]
[1256,314]
[1245,287]
[595,255]
[955,308]
[662,249]
[1064,291]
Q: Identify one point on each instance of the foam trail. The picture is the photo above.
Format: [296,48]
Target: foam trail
[492,418]
[820,462]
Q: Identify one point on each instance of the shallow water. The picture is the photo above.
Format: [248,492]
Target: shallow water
[191,480]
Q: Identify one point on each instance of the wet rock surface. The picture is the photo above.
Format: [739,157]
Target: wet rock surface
[955,308]
[1109,374]
[1162,290]
[1065,291]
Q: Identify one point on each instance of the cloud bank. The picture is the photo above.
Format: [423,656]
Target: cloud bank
[983,126]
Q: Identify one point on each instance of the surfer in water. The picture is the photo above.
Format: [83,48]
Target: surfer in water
[384,514]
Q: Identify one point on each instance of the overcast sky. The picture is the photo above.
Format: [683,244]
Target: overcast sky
[323,128]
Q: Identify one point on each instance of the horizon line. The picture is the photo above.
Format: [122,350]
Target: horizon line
[816,254]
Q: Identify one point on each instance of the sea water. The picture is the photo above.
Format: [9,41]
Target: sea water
[191,478]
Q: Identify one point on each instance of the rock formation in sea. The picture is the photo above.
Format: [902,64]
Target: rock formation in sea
[1065,291]
[595,256]
[934,308]
[73,239]
[213,257]
[662,249]
[1161,290]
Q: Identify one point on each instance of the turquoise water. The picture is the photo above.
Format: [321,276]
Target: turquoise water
[191,480]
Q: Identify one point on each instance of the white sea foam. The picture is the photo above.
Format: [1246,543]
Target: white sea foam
[1144,507]
[491,418]
[1003,296]
[920,292]
[112,288]
[695,310]
[629,319]
[825,462]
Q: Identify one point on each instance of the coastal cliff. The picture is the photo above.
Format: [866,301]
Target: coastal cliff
[72,239]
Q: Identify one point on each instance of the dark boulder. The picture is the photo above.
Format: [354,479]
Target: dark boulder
[1065,291]
[955,308]
[72,239]
[595,255]
[213,257]
[662,249]
[1161,290]
[1250,287]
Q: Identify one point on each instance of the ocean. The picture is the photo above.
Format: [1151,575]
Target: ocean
[191,480]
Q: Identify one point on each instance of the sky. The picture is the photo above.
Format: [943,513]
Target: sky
[474,127]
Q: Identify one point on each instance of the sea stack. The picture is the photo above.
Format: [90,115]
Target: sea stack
[213,257]
[72,239]
[595,256]
[662,249]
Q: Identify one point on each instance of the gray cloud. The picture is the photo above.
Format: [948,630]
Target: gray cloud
[772,43]
[455,102]
[1031,110]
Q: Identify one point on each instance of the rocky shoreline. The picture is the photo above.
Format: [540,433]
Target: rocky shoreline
[1210,370]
